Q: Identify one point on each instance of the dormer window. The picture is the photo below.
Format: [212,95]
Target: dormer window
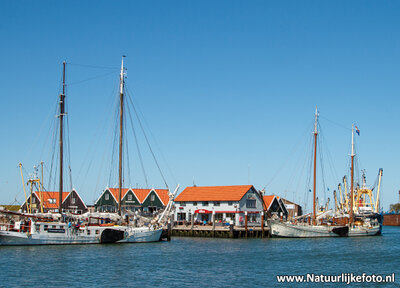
[52,200]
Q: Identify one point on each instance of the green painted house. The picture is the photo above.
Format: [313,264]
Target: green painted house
[144,200]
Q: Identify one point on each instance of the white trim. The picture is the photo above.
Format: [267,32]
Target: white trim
[158,196]
[134,194]
[101,195]
[73,189]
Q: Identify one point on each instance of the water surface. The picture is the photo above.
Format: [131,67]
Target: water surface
[200,262]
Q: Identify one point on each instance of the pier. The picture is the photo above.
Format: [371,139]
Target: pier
[220,231]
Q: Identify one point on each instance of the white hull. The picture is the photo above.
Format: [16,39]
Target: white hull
[141,235]
[19,238]
[289,230]
[45,233]
[358,231]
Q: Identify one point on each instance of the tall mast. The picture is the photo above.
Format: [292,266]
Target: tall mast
[62,98]
[352,175]
[121,119]
[315,161]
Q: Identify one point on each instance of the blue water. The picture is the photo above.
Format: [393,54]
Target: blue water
[200,262]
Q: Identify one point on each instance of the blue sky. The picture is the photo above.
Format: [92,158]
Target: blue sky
[228,89]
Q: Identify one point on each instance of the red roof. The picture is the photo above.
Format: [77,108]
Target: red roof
[268,200]
[51,195]
[141,194]
[163,194]
[115,192]
[213,193]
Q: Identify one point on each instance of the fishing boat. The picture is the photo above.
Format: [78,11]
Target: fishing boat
[364,217]
[314,227]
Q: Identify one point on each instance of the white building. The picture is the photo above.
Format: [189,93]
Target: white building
[227,204]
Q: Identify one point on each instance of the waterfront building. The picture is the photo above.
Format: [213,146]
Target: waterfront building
[132,199]
[275,206]
[71,202]
[222,204]
[292,208]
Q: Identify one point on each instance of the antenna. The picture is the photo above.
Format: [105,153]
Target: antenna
[248,174]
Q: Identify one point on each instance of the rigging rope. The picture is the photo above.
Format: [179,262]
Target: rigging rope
[147,141]
[68,144]
[153,137]
[94,66]
[138,148]
[92,78]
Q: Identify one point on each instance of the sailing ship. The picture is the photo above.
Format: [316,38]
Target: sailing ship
[40,229]
[132,234]
[60,228]
[306,229]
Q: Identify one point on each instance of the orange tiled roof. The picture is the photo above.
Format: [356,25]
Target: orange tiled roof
[268,200]
[141,194]
[115,191]
[163,194]
[51,195]
[213,193]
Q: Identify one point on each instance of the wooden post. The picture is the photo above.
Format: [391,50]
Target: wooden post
[213,224]
[192,224]
[245,222]
[262,224]
[169,232]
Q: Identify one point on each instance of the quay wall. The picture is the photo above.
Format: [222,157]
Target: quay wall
[220,232]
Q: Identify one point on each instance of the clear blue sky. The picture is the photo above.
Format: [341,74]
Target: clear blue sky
[228,88]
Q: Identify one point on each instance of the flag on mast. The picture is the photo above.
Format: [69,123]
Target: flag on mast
[357,130]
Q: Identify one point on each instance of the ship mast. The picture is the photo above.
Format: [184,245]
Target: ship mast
[352,176]
[62,107]
[315,162]
[121,118]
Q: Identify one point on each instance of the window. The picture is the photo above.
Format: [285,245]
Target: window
[52,201]
[33,200]
[194,203]
[107,196]
[152,197]
[230,203]
[250,203]
[88,232]
[73,200]
[205,203]
[183,204]
[129,197]
[97,232]
[181,216]
[217,203]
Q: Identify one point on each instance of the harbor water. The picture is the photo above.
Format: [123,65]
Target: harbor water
[202,262]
